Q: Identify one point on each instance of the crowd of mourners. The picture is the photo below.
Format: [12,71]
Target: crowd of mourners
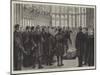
[38,45]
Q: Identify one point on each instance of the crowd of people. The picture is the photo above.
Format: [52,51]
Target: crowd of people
[84,43]
[38,46]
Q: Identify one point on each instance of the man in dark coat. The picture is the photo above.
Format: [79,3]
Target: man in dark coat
[91,48]
[85,45]
[52,45]
[27,61]
[59,48]
[39,52]
[46,45]
[33,46]
[18,48]
[79,46]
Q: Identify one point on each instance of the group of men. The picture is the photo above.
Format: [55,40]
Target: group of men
[84,44]
[38,46]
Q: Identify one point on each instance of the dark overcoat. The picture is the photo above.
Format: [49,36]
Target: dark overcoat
[27,59]
[59,44]
[85,45]
[79,43]
[18,45]
[91,50]
[38,41]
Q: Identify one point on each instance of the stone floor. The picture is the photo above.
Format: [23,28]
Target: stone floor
[71,63]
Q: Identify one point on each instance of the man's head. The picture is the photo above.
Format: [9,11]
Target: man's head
[16,27]
[32,28]
[27,28]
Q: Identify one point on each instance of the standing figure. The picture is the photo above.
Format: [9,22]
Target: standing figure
[91,48]
[47,46]
[39,52]
[79,46]
[68,35]
[18,48]
[27,59]
[66,38]
[64,42]
[33,46]
[52,45]
[85,46]
[44,45]
[59,48]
